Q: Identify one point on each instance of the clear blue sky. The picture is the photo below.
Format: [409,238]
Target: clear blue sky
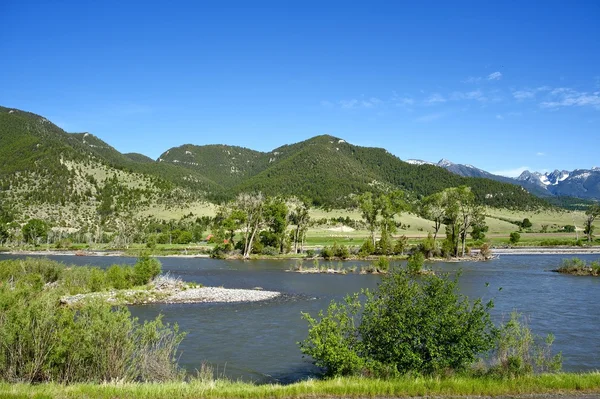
[500,85]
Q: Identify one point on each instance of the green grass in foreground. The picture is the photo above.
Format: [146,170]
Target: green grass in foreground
[338,387]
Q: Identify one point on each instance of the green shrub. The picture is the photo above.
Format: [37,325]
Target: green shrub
[515,237]
[43,341]
[415,263]
[382,265]
[519,352]
[120,277]
[405,326]
[310,253]
[145,270]
[327,253]
[270,251]
[341,251]
[367,248]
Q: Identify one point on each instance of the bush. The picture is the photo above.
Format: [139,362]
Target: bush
[514,237]
[310,253]
[145,270]
[519,352]
[341,251]
[43,341]
[415,263]
[327,253]
[405,326]
[270,251]
[120,277]
[367,248]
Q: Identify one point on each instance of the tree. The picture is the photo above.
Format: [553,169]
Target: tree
[470,214]
[369,211]
[252,205]
[34,230]
[300,217]
[389,206]
[591,214]
[432,208]
[526,223]
[276,215]
[405,326]
[4,234]
[514,237]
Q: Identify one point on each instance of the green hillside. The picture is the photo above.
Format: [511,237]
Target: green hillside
[42,166]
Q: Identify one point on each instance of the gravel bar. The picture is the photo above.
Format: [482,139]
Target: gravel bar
[215,294]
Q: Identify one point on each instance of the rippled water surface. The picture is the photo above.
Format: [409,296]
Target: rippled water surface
[257,341]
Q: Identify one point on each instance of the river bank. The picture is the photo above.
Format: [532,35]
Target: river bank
[495,252]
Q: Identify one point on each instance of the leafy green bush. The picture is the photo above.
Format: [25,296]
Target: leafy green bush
[327,253]
[415,263]
[341,251]
[514,237]
[120,277]
[145,270]
[405,326]
[519,352]
[270,251]
[367,248]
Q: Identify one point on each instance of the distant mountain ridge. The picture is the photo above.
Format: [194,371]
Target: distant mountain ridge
[580,183]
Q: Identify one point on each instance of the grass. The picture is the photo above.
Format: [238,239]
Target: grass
[338,387]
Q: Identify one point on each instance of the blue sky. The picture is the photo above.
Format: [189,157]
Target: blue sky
[500,85]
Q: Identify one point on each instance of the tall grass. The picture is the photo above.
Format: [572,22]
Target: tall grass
[339,387]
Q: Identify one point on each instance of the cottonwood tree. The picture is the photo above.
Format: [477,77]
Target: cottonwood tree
[369,211]
[461,214]
[389,205]
[299,216]
[276,216]
[591,214]
[252,205]
[34,230]
[432,208]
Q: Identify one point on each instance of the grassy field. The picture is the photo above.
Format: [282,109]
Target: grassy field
[336,388]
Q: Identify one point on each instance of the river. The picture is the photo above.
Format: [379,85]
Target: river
[257,341]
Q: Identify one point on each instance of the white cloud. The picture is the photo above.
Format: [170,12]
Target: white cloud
[494,76]
[327,104]
[567,97]
[349,104]
[435,98]
[475,95]
[473,79]
[430,117]
[511,172]
[540,154]
[499,116]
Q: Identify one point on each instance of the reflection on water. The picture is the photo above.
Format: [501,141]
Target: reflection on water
[257,341]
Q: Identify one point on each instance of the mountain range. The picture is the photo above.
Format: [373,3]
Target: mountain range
[45,171]
[579,183]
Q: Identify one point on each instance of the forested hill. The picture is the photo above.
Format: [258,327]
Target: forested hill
[42,163]
[329,170]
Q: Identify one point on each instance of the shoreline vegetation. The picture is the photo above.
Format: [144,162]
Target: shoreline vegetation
[522,250]
[353,387]
[578,267]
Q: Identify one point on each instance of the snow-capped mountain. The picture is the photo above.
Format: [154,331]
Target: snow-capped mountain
[580,183]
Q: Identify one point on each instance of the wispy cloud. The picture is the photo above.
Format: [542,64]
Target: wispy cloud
[494,76]
[567,97]
[473,79]
[511,172]
[475,95]
[431,117]
[498,116]
[527,93]
[435,98]
[540,154]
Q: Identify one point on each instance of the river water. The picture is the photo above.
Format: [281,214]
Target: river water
[257,341]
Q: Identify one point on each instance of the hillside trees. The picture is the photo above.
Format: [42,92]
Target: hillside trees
[299,217]
[35,230]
